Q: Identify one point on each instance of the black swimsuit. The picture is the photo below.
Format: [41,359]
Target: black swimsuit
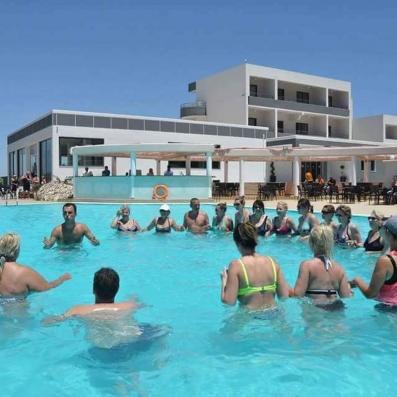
[164,229]
[373,246]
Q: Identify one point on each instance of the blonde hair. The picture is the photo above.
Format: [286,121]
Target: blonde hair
[9,247]
[283,205]
[378,215]
[321,240]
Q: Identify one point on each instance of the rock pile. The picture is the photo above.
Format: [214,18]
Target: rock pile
[55,191]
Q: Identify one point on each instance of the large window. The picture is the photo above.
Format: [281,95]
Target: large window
[372,166]
[280,94]
[253,90]
[302,97]
[46,159]
[65,158]
[302,128]
[216,165]
[251,121]
[280,126]
[21,153]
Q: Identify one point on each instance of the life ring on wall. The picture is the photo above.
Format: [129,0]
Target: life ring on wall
[160,192]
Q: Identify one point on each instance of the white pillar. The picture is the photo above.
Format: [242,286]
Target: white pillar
[296,170]
[209,174]
[264,171]
[366,169]
[225,171]
[241,177]
[158,167]
[133,164]
[75,165]
[188,165]
[353,171]
[114,166]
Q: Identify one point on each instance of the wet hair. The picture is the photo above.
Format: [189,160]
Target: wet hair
[106,283]
[246,235]
[9,248]
[70,205]
[260,204]
[240,199]
[321,240]
[345,209]
[282,204]
[125,206]
[193,199]
[329,208]
[222,206]
[305,203]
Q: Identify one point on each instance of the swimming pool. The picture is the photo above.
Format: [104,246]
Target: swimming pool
[212,349]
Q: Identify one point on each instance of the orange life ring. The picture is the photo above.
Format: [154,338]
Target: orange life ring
[160,192]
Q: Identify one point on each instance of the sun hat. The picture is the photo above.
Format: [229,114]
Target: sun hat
[391,225]
[165,207]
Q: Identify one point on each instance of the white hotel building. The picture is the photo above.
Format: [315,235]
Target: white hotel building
[246,106]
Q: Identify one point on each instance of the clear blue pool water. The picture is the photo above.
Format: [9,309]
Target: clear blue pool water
[212,350]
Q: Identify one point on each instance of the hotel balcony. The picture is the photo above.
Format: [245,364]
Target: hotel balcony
[194,111]
[391,131]
[297,106]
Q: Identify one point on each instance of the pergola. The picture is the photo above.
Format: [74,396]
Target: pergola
[313,153]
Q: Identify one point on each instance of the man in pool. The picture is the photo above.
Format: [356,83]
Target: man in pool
[105,287]
[69,232]
[196,221]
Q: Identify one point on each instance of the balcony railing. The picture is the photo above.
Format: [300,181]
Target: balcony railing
[297,106]
[198,108]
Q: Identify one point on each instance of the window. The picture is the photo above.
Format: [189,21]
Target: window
[372,166]
[253,90]
[330,101]
[329,131]
[302,128]
[216,165]
[45,159]
[65,158]
[280,94]
[251,121]
[302,97]
[280,126]
[21,154]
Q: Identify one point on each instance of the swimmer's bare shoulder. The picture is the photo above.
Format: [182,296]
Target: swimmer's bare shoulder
[84,310]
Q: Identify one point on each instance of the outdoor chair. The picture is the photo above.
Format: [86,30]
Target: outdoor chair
[334,193]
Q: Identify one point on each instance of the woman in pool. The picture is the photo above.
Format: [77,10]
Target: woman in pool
[374,241]
[164,223]
[347,234]
[221,221]
[259,219]
[17,281]
[282,224]
[123,223]
[383,284]
[320,278]
[242,214]
[307,219]
[253,279]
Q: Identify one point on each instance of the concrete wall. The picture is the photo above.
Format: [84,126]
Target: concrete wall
[226,96]
[368,128]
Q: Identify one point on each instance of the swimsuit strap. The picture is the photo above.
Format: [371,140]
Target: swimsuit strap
[274,269]
[393,278]
[327,262]
[245,273]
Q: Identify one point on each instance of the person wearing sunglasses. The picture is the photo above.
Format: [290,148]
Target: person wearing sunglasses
[242,214]
[383,284]
[221,221]
[347,234]
[259,219]
[374,241]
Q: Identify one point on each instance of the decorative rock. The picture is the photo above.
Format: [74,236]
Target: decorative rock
[55,191]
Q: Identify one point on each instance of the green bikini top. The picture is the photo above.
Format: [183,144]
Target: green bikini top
[249,290]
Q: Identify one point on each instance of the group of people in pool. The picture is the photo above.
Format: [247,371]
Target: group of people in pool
[253,280]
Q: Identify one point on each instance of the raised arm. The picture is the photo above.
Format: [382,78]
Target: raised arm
[90,236]
[302,282]
[49,242]
[229,284]
[151,225]
[35,282]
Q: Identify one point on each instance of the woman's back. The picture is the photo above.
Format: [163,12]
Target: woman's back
[12,280]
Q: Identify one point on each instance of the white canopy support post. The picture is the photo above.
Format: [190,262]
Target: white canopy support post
[264,171]
[296,175]
[209,174]
[366,169]
[158,167]
[225,171]
[188,165]
[353,171]
[114,166]
[75,164]
[241,177]
[133,173]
